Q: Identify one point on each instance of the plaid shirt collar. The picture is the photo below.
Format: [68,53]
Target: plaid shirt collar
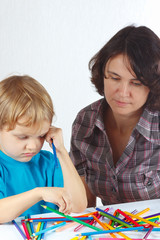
[148,124]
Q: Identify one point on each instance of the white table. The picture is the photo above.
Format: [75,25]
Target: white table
[8,231]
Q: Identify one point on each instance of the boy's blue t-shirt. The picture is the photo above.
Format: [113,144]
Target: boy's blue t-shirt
[18,177]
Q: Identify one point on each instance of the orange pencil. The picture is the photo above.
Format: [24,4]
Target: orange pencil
[104,226]
[120,233]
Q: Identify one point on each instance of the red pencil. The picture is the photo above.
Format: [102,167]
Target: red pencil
[128,218]
[25,229]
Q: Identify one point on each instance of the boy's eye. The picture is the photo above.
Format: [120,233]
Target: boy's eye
[43,136]
[22,137]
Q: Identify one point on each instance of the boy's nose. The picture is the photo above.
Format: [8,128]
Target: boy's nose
[32,144]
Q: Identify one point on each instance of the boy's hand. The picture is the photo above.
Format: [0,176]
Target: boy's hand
[55,134]
[58,196]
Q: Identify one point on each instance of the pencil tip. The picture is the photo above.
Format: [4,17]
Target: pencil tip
[43,206]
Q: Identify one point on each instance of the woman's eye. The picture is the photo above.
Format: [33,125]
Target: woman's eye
[137,83]
[114,78]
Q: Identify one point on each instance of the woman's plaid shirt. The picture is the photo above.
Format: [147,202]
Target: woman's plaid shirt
[137,173]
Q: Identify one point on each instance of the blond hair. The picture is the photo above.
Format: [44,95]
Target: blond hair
[23,96]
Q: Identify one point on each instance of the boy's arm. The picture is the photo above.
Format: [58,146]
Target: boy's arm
[14,206]
[72,181]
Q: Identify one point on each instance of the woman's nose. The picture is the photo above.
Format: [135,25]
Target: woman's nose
[124,89]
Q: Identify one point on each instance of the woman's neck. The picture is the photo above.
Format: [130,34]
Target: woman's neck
[121,123]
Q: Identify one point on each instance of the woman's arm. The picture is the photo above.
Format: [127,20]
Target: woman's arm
[90,197]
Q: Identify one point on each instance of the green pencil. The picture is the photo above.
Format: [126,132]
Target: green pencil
[71,218]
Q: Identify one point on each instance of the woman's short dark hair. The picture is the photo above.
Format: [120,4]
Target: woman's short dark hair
[142,48]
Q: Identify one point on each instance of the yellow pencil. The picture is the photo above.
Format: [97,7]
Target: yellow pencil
[38,229]
[84,237]
[75,238]
[143,219]
[141,212]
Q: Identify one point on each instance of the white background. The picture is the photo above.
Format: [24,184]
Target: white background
[53,41]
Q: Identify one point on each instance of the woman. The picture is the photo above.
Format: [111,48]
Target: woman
[115,144]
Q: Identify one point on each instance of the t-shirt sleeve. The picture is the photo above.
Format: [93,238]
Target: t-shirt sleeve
[2,183]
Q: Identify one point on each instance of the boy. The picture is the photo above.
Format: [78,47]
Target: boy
[28,174]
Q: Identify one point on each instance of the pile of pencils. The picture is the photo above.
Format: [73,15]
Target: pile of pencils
[101,223]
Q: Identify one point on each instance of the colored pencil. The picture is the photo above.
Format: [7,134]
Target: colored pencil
[103,226]
[48,229]
[90,222]
[66,226]
[84,237]
[29,228]
[142,219]
[93,222]
[25,229]
[111,231]
[153,215]
[113,218]
[120,233]
[55,155]
[41,228]
[38,228]
[71,218]
[147,234]
[19,229]
[83,215]
[127,217]
[142,212]
[119,238]
[42,236]
[111,222]
[59,219]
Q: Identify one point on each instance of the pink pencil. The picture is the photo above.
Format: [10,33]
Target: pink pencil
[66,226]
[25,229]
[119,239]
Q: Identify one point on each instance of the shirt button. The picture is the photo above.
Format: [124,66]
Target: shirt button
[149,183]
[114,177]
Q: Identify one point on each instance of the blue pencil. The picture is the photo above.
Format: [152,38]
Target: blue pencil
[59,219]
[19,229]
[55,155]
[116,219]
[111,231]
[42,236]
[48,229]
